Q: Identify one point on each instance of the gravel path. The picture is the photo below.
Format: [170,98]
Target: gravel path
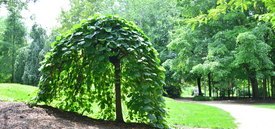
[247,116]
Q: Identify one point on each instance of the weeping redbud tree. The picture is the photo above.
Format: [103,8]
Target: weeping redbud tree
[109,62]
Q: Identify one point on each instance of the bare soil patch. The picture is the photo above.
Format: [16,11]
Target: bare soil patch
[14,115]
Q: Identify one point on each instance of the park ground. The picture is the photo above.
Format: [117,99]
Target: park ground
[248,114]
[182,113]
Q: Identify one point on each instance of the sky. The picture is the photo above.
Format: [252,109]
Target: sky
[46,13]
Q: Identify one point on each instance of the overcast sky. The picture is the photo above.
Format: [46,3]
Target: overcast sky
[46,12]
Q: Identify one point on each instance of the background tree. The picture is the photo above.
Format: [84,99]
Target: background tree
[13,39]
[31,74]
[252,55]
[20,63]
[210,32]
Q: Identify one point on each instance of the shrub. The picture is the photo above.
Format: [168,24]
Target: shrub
[172,91]
[202,98]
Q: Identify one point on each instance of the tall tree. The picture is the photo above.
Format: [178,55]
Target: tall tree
[224,21]
[31,74]
[190,45]
[20,63]
[252,54]
[14,38]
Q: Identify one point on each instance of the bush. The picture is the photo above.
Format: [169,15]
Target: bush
[202,98]
[172,91]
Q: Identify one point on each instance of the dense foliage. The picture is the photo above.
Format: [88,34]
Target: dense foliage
[156,22]
[224,48]
[87,64]
[225,43]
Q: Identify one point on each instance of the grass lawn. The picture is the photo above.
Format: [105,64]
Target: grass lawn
[180,113]
[17,92]
[198,115]
[268,105]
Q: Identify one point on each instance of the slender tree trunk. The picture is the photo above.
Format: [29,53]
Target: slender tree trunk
[264,88]
[268,88]
[209,85]
[13,60]
[228,93]
[199,85]
[243,92]
[116,62]
[213,87]
[272,82]
[248,88]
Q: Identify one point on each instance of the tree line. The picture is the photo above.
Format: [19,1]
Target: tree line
[223,47]
[21,51]
[226,43]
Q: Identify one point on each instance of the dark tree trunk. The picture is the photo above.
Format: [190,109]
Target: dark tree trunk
[268,88]
[248,88]
[264,88]
[116,62]
[213,88]
[228,93]
[254,85]
[272,82]
[217,93]
[199,85]
[209,85]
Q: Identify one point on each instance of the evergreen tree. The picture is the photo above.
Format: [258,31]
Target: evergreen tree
[13,39]
[31,74]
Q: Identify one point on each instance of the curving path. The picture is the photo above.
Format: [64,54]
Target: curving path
[247,116]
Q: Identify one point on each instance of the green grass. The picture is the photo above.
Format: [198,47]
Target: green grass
[267,105]
[198,115]
[180,113]
[17,92]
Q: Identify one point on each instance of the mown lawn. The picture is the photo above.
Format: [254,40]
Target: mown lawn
[198,115]
[17,92]
[180,113]
[267,105]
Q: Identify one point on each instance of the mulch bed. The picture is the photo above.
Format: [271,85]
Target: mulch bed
[15,115]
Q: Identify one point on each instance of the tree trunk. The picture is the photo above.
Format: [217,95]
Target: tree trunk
[254,84]
[116,62]
[248,88]
[228,93]
[268,88]
[13,61]
[264,88]
[272,82]
[199,85]
[209,85]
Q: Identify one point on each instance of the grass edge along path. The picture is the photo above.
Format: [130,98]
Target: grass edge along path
[266,105]
[180,114]
[198,115]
